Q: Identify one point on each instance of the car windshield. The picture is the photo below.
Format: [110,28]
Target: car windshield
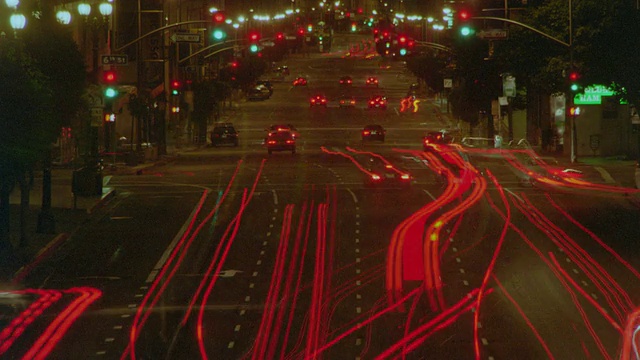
[159,204]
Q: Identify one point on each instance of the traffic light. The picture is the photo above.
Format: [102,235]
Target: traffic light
[403,43]
[574,81]
[463,18]
[574,111]
[218,17]
[279,36]
[110,78]
[176,86]
[218,34]
[254,36]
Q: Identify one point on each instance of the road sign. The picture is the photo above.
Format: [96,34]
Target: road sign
[493,34]
[448,83]
[96,116]
[115,60]
[190,38]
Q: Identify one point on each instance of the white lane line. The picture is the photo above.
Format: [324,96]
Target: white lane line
[462,271]
[358,283]
[125,316]
[117,327]
[575,271]
[109,339]
[514,194]
[358,310]
[458,259]
[255,273]
[237,328]
[264,243]
[485,342]
[252,285]
[594,296]
[259,262]
[357,260]
[358,296]
[430,195]
[172,245]
[231,344]
[101,352]
[353,195]
[247,298]
[605,175]
[275,197]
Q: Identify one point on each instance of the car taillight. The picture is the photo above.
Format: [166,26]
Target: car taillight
[324,100]
[371,102]
[426,141]
[353,101]
[271,142]
[289,141]
[389,166]
[375,177]
[349,81]
[405,176]
[365,132]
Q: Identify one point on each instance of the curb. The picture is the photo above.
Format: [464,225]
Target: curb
[103,200]
[40,256]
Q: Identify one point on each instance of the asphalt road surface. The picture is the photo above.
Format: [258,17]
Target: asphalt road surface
[230,253]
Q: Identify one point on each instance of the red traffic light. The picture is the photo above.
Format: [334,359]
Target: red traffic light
[464,14]
[301,31]
[402,39]
[109,76]
[218,17]
[176,84]
[254,36]
[574,75]
[279,36]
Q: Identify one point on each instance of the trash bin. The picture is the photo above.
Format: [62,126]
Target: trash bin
[87,181]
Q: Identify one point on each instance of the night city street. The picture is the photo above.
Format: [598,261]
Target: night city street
[231,253]
[293,232]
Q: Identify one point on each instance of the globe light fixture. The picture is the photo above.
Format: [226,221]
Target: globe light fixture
[84,9]
[63,17]
[12,3]
[18,21]
[105,9]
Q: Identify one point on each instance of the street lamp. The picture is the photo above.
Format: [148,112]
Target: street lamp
[13,4]
[18,22]
[63,17]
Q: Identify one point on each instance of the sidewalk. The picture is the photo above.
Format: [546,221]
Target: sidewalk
[69,214]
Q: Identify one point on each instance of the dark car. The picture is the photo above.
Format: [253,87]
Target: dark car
[259,92]
[346,101]
[385,175]
[281,141]
[377,102]
[372,81]
[224,133]
[318,100]
[435,138]
[283,127]
[373,132]
[267,84]
[346,81]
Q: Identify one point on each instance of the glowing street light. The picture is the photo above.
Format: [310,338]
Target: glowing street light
[63,17]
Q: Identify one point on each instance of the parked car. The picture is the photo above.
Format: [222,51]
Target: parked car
[267,84]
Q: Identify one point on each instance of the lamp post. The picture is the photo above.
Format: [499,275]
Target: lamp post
[95,23]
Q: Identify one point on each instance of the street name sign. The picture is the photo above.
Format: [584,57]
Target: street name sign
[115,60]
[190,38]
[493,34]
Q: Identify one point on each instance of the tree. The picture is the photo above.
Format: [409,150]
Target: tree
[57,57]
[429,67]
[27,127]
[206,99]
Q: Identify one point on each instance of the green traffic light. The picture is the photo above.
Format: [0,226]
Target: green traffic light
[175,92]
[110,92]
[466,31]
[403,52]
[253,48]
[574,87]
[219,34]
